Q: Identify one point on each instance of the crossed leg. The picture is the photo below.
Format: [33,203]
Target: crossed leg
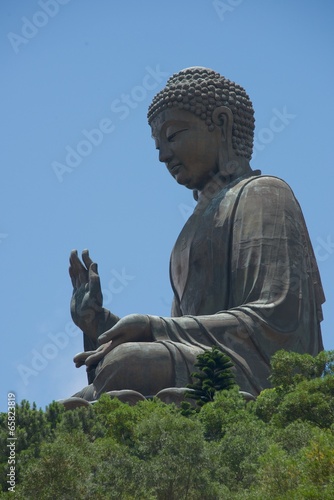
[145,367]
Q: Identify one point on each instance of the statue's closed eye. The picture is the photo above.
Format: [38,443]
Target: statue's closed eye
[170,137]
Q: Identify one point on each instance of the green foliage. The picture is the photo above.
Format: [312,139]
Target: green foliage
[174,457]
[119,420]
[240,450]
[310,400]
[116,473]
[318,460]
[61,471]
[116,418]
[308,474]
[278,473]
[290,368]
[295,436]
[33,427]
[82,419]
[226,407]
[304,390]
[267,403]
[279,447]
[214,375]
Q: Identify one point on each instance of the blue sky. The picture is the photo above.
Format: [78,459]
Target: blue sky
[80,169]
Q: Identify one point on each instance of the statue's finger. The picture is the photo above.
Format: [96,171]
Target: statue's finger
[107,336]
[74,258]
[94,359]
[78,269]
[82,356]
[79,364]
[73,277]
[95,283]
[99,354]
[86,258]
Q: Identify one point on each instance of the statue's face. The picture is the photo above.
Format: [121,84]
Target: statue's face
[186,146]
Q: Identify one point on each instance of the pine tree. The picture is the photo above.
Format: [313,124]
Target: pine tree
[214,375]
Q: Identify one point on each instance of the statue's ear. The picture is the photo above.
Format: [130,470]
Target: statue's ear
[223,118]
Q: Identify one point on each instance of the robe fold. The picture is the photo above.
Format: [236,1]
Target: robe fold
[245,279]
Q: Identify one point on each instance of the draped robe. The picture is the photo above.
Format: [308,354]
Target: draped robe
[245,279]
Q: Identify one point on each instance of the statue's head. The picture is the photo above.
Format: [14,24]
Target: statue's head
[212,98]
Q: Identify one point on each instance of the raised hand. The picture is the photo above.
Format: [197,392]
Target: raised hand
[86,302]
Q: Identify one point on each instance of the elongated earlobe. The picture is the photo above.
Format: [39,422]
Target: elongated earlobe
[228,165]
[223,118]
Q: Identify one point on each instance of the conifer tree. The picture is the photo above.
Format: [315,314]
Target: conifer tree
[214,375]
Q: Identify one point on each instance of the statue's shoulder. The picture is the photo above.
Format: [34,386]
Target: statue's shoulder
[264,183]
[253,189]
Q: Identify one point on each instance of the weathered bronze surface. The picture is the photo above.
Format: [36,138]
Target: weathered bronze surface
[242,270]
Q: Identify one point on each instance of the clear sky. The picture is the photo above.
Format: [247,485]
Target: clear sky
[80,170]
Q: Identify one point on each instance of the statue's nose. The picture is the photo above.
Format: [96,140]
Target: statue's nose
[165,154]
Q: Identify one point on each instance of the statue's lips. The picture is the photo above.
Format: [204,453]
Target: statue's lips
[175,168]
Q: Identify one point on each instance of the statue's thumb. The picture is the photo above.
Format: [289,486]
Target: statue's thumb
[93,267]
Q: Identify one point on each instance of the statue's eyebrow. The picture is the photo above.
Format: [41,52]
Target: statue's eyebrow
[181,123]
[168,123]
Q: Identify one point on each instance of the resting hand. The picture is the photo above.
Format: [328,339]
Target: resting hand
[91,358]
[132,328]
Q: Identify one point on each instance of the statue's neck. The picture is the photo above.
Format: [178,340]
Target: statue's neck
[220,181]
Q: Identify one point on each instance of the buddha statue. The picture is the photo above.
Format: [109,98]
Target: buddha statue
[242,270]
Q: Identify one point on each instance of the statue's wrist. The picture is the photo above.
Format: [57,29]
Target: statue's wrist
[105,321]
[92,327]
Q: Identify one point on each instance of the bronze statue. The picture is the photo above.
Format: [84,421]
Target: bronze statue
[242,270]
